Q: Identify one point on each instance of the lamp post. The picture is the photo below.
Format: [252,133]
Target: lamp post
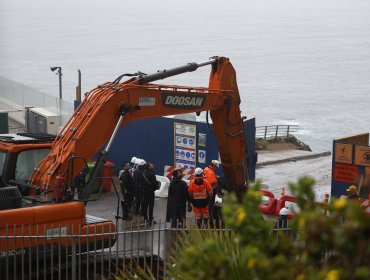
[59,73]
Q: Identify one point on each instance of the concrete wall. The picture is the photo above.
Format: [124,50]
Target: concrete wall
[15,111]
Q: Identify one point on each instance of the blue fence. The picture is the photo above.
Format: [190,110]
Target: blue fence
[153,140]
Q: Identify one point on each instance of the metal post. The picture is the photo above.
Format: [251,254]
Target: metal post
[78,88]
[276,133]
[59,73]
[74,262]
[287,134]
[60,82]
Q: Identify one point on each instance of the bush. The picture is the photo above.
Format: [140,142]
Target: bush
[316,246]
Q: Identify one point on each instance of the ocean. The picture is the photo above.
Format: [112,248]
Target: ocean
[297,62]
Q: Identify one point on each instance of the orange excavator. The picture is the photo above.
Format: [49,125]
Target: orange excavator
[50,200]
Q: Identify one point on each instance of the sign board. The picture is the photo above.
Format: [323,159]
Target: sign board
[362,156]
[202,156]
[147,101]
[360,139]
[185,145]
[343,153]
[345,173]
[202,139]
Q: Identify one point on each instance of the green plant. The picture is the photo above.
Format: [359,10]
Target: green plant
[317,246]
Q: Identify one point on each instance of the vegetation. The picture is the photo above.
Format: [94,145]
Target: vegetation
[316,246]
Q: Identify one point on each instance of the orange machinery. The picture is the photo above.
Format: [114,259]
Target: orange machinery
[103,111]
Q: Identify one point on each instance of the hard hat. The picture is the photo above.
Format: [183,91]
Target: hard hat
[198,171]
[352,189]
[141,162]
[284,211]
[215,162]
[134,160]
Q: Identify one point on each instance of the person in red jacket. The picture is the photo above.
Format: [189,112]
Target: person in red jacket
[200,192]
[210,174]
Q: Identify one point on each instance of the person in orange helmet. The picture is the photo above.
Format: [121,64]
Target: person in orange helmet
[200,192]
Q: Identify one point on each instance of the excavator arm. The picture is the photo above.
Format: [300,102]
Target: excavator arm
[113,105]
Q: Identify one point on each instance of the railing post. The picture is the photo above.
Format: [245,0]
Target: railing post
[265,132]
[74,263]
[287,133]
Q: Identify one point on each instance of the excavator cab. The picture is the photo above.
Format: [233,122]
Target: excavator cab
[19,154]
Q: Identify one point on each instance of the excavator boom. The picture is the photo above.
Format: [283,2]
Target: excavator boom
[115,104]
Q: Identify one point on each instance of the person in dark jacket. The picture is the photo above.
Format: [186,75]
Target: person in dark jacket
[149,186]
[215,210]
[178,195]
[138,178]
[128,189]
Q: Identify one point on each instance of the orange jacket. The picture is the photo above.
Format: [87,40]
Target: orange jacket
[200,191]
[211,176]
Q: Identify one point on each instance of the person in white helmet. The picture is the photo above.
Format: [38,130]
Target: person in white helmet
[134,167]
[200,192]
[282,222]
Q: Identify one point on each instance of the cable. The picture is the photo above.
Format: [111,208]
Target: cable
[118,79]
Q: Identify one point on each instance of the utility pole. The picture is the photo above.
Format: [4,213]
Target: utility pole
[59,73]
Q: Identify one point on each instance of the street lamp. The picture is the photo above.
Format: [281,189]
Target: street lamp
[59,73]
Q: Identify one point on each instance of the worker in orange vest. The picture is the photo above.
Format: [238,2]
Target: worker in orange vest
[210,173]
[200,192]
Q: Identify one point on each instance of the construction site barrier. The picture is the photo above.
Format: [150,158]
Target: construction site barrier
[187,173]
[271,205]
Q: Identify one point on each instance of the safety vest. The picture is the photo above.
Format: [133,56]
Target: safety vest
[200,193]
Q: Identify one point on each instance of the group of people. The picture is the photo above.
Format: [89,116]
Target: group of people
[198,197]
[138,184]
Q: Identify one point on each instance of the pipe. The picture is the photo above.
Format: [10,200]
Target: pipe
[160,75]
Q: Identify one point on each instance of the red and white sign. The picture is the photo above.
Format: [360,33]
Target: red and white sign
[345,173]
[365,204]
[187,173]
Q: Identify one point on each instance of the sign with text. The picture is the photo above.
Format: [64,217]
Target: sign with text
[345,173]
[343,153]
[202,156]
[185,145]
[362,155]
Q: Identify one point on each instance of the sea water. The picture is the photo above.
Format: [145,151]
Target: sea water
[297,62]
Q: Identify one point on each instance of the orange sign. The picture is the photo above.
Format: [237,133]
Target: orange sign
[343,153]
[345,173]
[362,155]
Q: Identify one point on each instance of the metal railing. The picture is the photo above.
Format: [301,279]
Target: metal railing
[275,131]
[53,254]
